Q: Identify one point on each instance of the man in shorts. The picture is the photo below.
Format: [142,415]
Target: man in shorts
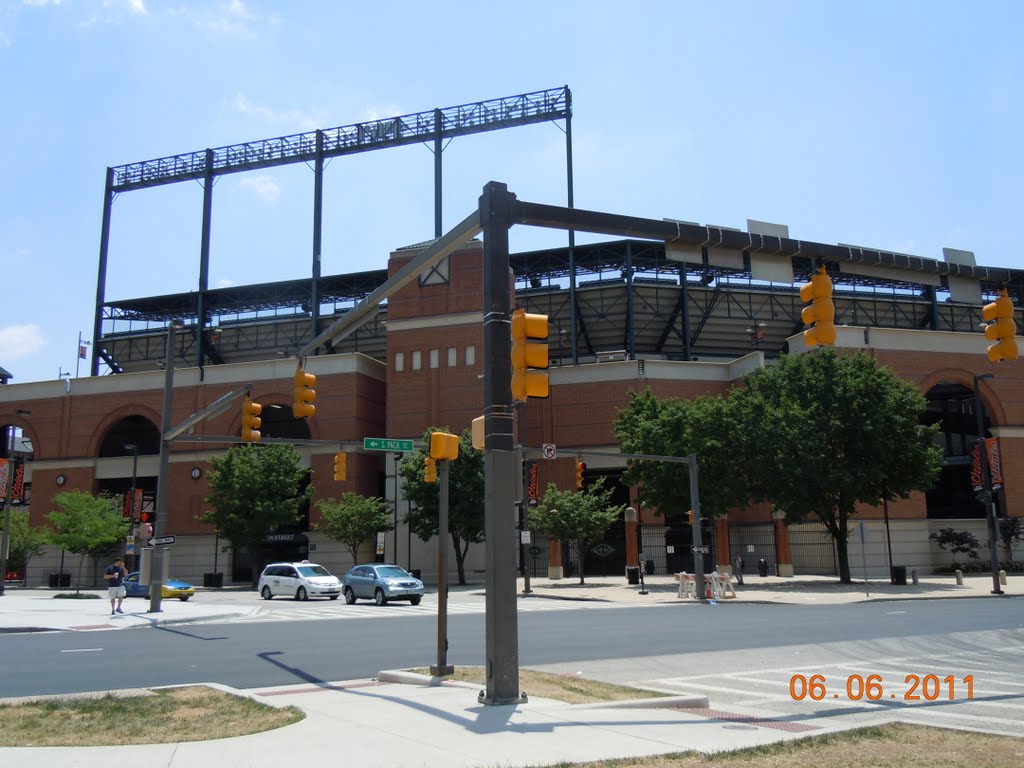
[115,584]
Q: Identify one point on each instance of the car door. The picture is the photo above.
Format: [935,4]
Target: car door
[363,578]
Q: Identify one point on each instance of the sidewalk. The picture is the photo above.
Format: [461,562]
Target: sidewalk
[401,719]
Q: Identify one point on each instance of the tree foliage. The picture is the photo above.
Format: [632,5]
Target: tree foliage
[353,520]
[254,490]
[814,435]
[827,431]
[578,517]
[1011,531]
[85,524]
[25,541]
[465,497]
[956,542]
[705,428]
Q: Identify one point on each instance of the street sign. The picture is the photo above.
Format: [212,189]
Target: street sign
[701,549]
[549,451]
[386,444]
[161,541]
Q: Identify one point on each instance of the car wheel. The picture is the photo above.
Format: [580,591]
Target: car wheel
[379,597]
[301,594]
[267,594]
[415,599]
[350,596]
[334,597]
[184,598]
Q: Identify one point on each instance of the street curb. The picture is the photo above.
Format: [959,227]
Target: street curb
[657,702]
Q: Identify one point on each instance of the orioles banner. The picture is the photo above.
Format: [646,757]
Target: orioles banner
[995,465]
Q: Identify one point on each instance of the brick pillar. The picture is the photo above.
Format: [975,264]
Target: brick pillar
[724,564]
[554,559]
[783,557]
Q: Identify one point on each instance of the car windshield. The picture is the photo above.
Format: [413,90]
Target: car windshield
[392,572]
[313,570]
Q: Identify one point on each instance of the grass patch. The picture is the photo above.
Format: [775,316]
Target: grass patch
[193,713]
[567,688]
[896,745]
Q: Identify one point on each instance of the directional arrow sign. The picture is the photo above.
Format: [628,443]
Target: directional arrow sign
[161,541]
[386,444]
[701,549]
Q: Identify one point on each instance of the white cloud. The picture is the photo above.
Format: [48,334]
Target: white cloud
[20,341]
[296,120]
[226,19]
[264,186]
[226,283]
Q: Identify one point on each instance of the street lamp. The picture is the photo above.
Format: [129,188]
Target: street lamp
[131,493]
[5,539]
[987,498]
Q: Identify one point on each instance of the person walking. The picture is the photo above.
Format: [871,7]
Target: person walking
[738,569]
[115,584]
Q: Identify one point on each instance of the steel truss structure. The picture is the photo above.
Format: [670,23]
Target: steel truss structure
[205,310]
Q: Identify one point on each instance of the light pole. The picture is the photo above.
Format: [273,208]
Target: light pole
[987,498]
[394,537]
[5,540]
[156,581]
[131,495]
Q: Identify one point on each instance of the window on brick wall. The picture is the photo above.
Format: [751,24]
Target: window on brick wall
[417,360]
[435,358]
[470,355]
[399,361]
[453,357]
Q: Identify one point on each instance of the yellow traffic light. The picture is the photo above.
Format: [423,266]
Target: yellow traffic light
[444,446]
[527,354]
[340,465]
[689,517]
[251,420]
[305,395]
[429,470]
[821,315]
[581,467]
[1001,328]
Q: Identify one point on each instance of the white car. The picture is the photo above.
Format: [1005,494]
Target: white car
[299,580]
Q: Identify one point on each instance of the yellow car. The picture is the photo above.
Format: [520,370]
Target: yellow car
[173,588]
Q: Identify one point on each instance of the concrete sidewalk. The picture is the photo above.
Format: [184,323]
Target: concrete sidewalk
[401,719]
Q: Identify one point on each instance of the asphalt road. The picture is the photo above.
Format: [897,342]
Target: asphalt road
[290,652]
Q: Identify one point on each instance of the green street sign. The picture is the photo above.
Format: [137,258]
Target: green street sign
[385,444]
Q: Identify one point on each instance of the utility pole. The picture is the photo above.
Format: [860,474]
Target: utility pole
[5,540]
[156,582]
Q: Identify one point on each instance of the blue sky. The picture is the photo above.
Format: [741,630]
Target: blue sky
[894,125]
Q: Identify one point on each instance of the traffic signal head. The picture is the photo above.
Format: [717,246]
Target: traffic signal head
[444,446]
[689,517]
[821,315]
[581,467]
[429,470]
[1001,328]
[251,420]
[340,465]
[479,439]
[305,395]
[527,354]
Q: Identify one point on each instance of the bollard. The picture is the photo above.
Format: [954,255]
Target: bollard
[913,578]
[1002,577]
[959,578]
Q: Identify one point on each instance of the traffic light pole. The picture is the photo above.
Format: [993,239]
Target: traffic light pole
[442,667]
[987,495]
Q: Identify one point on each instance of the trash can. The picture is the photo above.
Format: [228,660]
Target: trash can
[762,567]
[59,580]
[632,574]
[214,580]
[649,568]
[898,574]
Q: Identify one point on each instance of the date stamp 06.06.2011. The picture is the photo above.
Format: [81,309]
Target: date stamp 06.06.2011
[875,688]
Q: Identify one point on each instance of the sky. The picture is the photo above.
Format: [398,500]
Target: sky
[893,125]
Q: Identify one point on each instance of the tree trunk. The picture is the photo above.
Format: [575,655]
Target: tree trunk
[460,559]
[579,558]
[843,556]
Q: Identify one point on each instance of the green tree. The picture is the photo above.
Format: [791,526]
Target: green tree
[824,432]
[1011,531]
[25,542]
[465,498]
[956,542]
[254,490]
[85,524]
[353,520]
[704,427]
[578,517]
